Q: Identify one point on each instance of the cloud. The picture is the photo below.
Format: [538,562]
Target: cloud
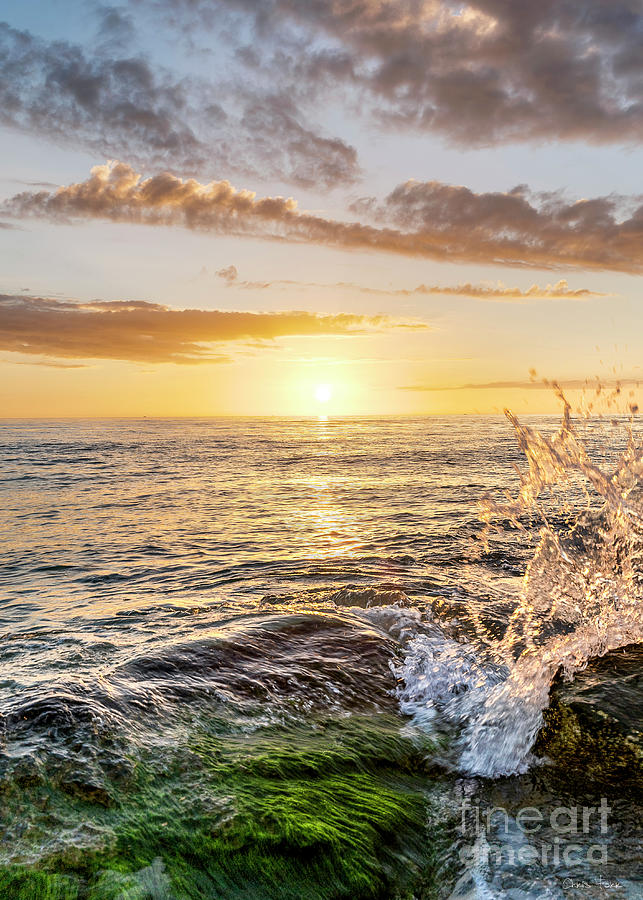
[123,105]
[428,220]
[498,292]
[35,184]
[573,384]
[49,364]
[491,292]
[273,130]
[479,72]
[229,274]
[116,27]
[55,88]
[149,332]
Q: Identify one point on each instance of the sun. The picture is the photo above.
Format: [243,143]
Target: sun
[323,393]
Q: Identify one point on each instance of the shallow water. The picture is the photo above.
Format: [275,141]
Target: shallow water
[186,601]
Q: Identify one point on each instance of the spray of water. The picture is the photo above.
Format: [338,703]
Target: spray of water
[581,597]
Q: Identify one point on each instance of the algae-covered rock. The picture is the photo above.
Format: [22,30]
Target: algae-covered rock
[86,790]
[592,732]
[333,810]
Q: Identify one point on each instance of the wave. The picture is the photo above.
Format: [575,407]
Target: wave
[581,597]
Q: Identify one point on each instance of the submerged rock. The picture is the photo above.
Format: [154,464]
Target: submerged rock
[331,809]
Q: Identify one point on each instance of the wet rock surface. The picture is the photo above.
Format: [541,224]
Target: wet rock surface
[592,732]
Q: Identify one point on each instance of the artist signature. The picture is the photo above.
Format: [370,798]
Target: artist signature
[599,882]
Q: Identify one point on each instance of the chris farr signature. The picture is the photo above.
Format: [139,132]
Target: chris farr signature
[599,882]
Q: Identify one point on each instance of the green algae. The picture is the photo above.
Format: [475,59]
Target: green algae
[337,810]
[19,883]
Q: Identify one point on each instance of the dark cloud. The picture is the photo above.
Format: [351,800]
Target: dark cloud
[423,219]
[149,332]
[278,137]
[479,72]
[122,105]
[56,89]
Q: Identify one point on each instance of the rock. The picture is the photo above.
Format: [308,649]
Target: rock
[592,727]
[87,791]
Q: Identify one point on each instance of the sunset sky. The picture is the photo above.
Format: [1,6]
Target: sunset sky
[273,207]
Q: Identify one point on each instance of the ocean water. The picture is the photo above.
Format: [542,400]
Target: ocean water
[274,657]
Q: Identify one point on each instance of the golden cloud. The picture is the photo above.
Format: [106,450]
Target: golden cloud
[149,332]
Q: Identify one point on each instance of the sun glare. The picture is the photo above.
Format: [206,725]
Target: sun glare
[323,393]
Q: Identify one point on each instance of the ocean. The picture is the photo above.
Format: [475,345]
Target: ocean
[320,658]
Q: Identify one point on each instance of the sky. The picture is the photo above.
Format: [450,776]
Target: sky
[360,207]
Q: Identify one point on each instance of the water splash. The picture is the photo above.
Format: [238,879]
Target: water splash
[580,598]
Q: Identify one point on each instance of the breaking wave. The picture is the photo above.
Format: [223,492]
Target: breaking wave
[580,598]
